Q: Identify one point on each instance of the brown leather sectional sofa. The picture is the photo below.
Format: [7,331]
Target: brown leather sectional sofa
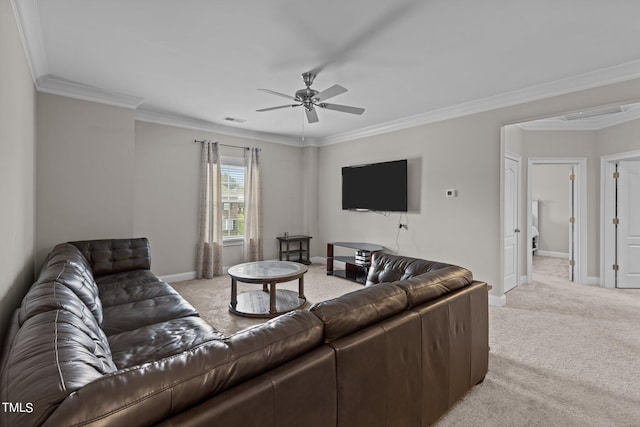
[100,340]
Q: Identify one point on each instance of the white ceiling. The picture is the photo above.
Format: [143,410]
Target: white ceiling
[406,62]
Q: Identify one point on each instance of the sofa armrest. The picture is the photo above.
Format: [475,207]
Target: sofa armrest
[434,284]
[148,393]
[357,310]
[111,256]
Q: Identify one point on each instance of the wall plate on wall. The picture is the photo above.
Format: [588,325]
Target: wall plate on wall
[451,193]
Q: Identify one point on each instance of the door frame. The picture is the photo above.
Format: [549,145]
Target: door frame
[607,200]
[518,245]
[580,255]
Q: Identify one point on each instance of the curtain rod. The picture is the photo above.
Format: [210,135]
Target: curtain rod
[226,145]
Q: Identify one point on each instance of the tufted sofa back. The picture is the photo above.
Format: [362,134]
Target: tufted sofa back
[390,268]
[111,256]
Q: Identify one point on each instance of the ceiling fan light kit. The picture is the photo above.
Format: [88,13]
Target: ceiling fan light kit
[311,98]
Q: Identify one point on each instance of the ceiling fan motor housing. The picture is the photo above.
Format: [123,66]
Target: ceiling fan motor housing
[306,97]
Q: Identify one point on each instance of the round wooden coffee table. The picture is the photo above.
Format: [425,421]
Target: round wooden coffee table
[268,302]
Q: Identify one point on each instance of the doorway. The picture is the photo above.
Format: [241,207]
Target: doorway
[570,231]
[620,220]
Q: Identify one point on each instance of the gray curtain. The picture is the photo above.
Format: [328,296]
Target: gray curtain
[252,207]
[209,257]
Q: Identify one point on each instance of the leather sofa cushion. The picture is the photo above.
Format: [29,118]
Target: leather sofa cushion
[148,393]
[116,255]
[67,266]
[434,284]
[389,268]
[53,296]
[133,315]
[126,278]
[359,309]
[160,340]
[52,355]
[122,293]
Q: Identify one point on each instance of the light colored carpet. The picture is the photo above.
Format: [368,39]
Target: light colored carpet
[561,354]
[211,297]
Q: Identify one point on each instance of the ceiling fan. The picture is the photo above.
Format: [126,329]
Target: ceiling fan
[311,98]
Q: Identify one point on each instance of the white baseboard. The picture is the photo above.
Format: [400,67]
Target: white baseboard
[553,254]
[318,260]
[497,301]
[180,277]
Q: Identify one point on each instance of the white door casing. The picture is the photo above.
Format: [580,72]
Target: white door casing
[511,221]
[572,222]
[628,230]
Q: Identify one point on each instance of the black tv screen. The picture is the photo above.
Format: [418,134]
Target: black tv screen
[375,187]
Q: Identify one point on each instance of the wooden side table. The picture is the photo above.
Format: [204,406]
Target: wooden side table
[300,248]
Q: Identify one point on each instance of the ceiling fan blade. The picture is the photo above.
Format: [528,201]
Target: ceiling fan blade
[273,92]
[343,108]
[312,115]
[330,93]
[278,107]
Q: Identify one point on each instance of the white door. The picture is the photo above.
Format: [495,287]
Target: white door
[628,236]
[511,222]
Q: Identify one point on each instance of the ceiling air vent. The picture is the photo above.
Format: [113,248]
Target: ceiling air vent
[594,113]
[234,119]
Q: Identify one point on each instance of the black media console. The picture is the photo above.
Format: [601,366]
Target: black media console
[356,265]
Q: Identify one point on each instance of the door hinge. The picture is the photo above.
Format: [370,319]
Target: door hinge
[572,220]
[616,175]
[572,177]
[616,221]
[572,263]
[616,267]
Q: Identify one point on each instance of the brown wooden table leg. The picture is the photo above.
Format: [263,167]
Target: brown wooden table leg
[272,298]
[234,293]
[301,287]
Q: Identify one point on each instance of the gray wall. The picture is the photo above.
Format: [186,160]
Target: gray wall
[17,168]
[464,154]
[101,174]
[85,172]
[166,193]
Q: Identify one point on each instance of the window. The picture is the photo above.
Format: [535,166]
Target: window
[232,173]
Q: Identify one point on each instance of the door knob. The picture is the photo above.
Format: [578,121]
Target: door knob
[517,230]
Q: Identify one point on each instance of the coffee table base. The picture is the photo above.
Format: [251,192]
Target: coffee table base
[256,303]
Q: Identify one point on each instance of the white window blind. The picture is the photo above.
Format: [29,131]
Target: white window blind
[232,200]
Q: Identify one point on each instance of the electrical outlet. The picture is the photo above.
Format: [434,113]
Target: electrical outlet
[451,193]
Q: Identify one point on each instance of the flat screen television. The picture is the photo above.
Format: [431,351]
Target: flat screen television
[375,187]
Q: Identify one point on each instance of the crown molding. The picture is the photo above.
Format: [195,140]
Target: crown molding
[169,119]
[56,86]
[590,80]
[29,28]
